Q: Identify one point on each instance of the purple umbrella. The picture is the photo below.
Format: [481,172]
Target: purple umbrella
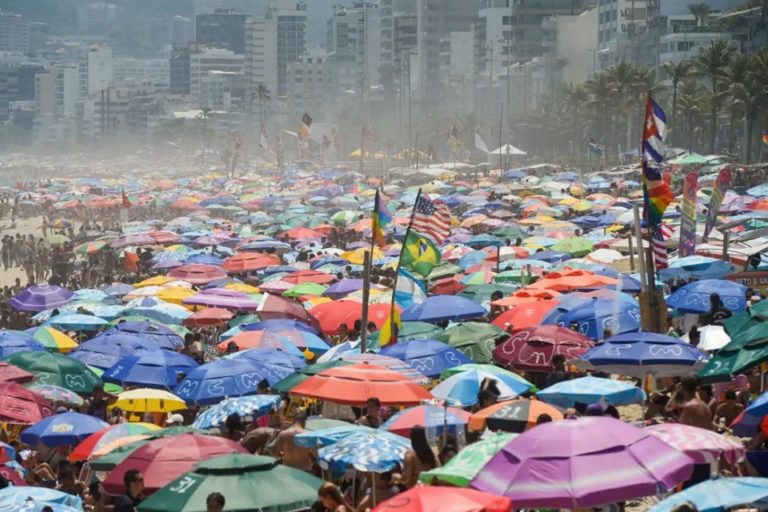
[222,298]
[133,239]
[41,297]
[343,287]
[582,463]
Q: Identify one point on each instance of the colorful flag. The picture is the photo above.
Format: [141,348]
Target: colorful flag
[659,245]
[391,327]
[420,254]
[596,148]
[687,245]
[409,290]
[381,218]
[432,219]
[126,203]
[480,143]
[765,137]
[304,125]
[722,183]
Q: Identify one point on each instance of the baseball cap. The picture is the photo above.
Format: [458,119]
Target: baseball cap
[174,419]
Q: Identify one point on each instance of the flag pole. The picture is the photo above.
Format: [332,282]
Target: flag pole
[367,266]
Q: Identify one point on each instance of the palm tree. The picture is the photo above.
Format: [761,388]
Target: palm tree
[262,95]
[700,12]
[692,99]
[735,73]
[711,63]
[677,72]
[599,88]
[624,78]
[750,95]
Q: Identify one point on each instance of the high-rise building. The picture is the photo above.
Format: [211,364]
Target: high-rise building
[223,29]
[308,85]
[179,71]
[291,20]
[353,44]
[95,68]
[261,55]
[210,60]
[14,33]
[126,70]
[620,25]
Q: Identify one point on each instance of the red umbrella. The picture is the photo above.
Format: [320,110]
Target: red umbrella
[332,315]
[21,405]
[427,498]
[247,261]
[525,315]
[11,373]
[301,234]
[164,237]
[308,276]
[275,307]
[197,273]
[252,339]
[12,476]
[356,383]
[186,204]
[209,316]
[532,348]
[163,460]
[447,286]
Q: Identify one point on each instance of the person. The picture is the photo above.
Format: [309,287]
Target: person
[68,483]
[559,374]
[215,502]
[233,428]
[690,409]
[717,313]
[292,455]
[421,457]
[332,499]
[381,489]
[372,416]
[134,485]
[543,418]
[728,410]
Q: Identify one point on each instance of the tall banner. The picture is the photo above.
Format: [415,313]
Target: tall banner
[688,220]
[722,184]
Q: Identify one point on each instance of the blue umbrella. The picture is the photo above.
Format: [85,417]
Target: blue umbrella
[328,436]
[430,357]
[628,283]
[640,353]
[210,383]
[165,313]
[695,297]
[90,294]
[35,499]
[77,322]
[119,289]
[154,369]
[162,336]
[271,357]
[375,451]
[106,349]
[12,342]
[438,308]
[63,429]
[40,297]
[472,258]
[589,390]
[253,406]
[484,240]
[718,495]
[462,388]
[597,315]
[550,256]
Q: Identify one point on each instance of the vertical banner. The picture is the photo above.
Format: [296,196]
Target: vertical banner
[722,184]
[688,220]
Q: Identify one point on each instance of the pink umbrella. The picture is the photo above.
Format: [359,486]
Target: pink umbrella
[702,445]
[583,463]
[164,237]
[223,298]
[133,239]
[197,273]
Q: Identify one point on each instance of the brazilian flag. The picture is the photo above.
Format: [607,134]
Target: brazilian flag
[420,254]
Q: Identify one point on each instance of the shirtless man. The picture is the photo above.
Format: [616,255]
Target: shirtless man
[729,409]
[691,410]
[284,447]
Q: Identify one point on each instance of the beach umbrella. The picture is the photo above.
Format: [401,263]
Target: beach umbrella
[212,382]
[98,440]
[343,287]
[331,315]
[40,297]
[222,298]
[149,400]
[106,349]
[58,370]
[67,428]
[643,353]
[22,405]
[463,467]
[11,373]
[461,389]
[591,461]
[58,394]
[279,325]
[438,308]
[34,499]
[532,348]
[163,312]
[162,335]
[354,384]
[375,451]
[249,482]
[245,406]
[197,273]
[319,437]
[514,416]
[474,339]
[597,315]
[439,499]
[717,495]
[695,297]
[411,331]
[209,317]
[711,338]
[590,390]
[77,322]
[529,314]
[704,446]
[430,357]
[271,357]
[288,383]
[53,339]
[576,247]
[153,369]
[13,342]
[165,459]
[432,417]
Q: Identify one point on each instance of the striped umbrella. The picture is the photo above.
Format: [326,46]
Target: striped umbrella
[58,394]
[53,339]
[462,468]
[99,439]
[704,446]
[368,451]
[252,406]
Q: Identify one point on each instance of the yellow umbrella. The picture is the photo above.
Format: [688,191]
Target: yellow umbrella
[175,294]
[153,281]
[581,206]
[149,400]
[242,287]
[568,201]
[473,221]
[315,301]
[543,219]
[356,257]
[54,340]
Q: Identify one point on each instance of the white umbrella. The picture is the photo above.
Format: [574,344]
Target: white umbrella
[712,337]
[508,149]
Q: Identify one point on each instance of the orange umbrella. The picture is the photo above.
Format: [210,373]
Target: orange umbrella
[308,276]
[525,315]
[208,316]
[252,339]
[572,280]
[355,384]
[301,233]
[512,415]
[525,297]
[332,315]
[247,261]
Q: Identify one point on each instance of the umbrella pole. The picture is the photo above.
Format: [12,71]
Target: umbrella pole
[366,296]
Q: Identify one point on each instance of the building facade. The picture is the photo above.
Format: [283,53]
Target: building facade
[223,29]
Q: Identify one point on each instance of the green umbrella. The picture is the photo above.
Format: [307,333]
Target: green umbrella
[293,380]
[345,217]
[444,270]
[748,348]
[511,276]
[490,368]
[249,482]
[577,246]
[462,468]
[305,289]
[411,331]
[57,370]
[475,340]
[251,318]
[482,293]
[510,231]
[109,387]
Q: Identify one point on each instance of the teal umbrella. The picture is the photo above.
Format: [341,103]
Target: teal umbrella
[475,340]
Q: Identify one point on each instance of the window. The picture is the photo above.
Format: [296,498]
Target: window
[506,20]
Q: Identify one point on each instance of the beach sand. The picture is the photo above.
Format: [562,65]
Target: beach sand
[25,227]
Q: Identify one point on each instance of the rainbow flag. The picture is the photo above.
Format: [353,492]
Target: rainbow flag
[657,193]
[765,137]
[381,218]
